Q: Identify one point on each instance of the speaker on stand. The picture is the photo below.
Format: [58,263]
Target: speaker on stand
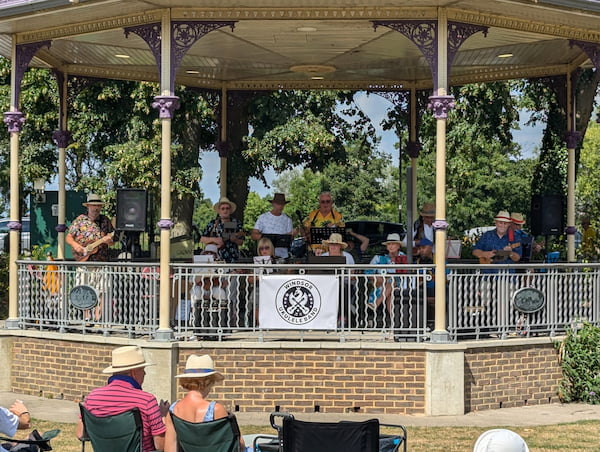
[547,216]
[131,217]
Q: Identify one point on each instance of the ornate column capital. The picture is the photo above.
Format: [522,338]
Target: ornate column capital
[440,225]
[166,105]
[61,138]
[14,120]
[223,148]
[441,106]
[571,230]
[15,226]
[165,223]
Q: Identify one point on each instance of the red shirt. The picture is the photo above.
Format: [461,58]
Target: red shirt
[119,396]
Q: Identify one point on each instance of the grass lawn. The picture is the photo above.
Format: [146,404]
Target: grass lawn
[576,437]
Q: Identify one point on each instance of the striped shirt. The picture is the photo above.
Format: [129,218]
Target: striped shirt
[118,397]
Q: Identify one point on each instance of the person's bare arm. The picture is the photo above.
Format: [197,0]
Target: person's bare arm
[364,241]
[19,409]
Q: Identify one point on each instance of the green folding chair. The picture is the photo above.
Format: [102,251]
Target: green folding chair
[120,432]
[221,435]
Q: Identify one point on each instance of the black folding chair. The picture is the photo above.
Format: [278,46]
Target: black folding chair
[346,436]
[42,441]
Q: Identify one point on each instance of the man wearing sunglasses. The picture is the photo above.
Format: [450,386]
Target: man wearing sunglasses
[323,217]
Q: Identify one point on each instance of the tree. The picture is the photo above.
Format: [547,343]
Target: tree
[588,182]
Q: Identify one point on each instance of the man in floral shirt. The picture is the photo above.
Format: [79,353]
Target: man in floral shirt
[89,236]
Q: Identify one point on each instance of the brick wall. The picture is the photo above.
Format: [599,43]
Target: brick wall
[303,379]
[502,377]
[328,380]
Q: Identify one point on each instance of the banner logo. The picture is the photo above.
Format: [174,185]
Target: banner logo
[298,301]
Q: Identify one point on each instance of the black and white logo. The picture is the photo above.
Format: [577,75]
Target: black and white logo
[298,301]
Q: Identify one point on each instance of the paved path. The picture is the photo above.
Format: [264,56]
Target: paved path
[67,411]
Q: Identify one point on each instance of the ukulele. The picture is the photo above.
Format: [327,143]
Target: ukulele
[91,248]
[500,254]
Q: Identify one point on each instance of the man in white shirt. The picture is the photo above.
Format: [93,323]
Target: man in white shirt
[274,222]
[13,418]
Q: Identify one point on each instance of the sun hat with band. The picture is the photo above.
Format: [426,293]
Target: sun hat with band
[225,200]
[503,216]
[393,238]
[126,358]
[93,200]
[200,367]
[335,239]
[428,210]
[279,198]
[517,218]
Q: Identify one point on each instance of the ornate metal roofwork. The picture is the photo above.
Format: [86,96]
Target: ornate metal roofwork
[273,38]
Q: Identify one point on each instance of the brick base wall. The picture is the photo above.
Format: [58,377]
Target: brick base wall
[509,376]
[302,379]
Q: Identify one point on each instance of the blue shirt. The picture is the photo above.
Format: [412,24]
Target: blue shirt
[490,241]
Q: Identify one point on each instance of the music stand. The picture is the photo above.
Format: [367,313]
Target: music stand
[317,235]
[280,240]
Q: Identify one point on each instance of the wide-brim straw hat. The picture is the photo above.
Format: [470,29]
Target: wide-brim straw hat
[200,367]
[517,218]
[393,238]
[225,200]
[503,216]
[94,200]
[335,239]
[126,358]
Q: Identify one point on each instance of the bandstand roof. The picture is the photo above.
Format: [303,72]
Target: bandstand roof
[304,43]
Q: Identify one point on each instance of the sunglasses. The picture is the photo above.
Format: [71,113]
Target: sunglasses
[325,201]
[264,247]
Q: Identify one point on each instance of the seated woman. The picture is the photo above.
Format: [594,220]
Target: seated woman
[384,287]
[198,379]
[334,246]
[266,255]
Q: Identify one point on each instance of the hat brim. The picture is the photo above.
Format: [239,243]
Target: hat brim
[113,370]
[387,242]
[344,245]
[503,220]
[219,375]
[231,204]
[93,203]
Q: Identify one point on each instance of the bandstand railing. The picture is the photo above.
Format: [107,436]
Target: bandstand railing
[221,301]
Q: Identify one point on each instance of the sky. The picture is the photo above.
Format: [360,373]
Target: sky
[374,107]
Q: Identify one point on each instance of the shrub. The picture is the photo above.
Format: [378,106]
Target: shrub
[580,362]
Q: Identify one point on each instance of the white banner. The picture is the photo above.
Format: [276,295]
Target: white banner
[298,302]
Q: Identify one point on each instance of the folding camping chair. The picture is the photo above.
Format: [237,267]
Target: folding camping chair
[120,432]
[221,435]
[300,436]
[34,439]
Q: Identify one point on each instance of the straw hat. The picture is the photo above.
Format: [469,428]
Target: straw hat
[224,200]
[393,238]
[503,216]
[126,358]
[93,200]
[500,440]
[211,248]
[200,367]
[279,198]
[335,239]
[428,210]
[517,218]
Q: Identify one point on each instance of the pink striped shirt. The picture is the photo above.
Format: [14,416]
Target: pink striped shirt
[119,396]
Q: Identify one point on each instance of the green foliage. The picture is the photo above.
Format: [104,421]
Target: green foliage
[588,181]
[580,362]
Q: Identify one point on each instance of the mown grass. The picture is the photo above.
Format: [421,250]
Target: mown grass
[583,436]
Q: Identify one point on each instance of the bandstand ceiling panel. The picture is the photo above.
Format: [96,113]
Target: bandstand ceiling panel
[304,43]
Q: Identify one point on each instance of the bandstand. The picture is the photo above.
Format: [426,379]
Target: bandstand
[373,45]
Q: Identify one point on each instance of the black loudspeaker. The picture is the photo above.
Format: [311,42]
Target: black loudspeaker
[547,215]
[131,209]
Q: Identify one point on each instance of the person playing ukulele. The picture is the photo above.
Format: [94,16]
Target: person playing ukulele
[497,246]
[89,236]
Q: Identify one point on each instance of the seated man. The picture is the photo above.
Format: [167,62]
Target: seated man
[496,246]
[13,418]
[124,392]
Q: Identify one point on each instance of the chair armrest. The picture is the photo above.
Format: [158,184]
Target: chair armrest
[272,445]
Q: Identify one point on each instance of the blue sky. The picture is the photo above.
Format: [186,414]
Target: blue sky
[375,107]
